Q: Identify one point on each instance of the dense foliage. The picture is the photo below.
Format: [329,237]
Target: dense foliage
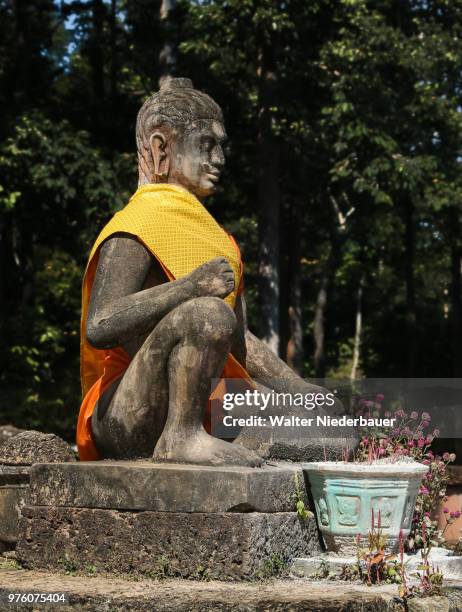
[343,184]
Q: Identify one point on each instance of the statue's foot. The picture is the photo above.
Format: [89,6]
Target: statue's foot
[200,448]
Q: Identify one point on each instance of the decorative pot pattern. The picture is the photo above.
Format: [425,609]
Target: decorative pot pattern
[345,494]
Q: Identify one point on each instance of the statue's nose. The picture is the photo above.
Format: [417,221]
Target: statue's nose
[218,158]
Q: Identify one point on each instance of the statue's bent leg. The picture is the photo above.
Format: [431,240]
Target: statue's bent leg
[161,399]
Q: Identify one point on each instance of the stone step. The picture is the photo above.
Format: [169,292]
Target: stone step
[118,595]
[444,559]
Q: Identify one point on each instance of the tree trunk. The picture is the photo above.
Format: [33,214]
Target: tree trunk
[96,52]
[319,326]
[456,311]
[411,315]
[268,201]
[294,354]
[113,76]
[169,53]
[358,330]
[3,269]
[325,285]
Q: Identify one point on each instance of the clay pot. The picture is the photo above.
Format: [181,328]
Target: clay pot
[454,495]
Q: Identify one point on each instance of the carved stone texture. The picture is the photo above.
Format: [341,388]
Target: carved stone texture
[225,546]
[349,507]
[31,447]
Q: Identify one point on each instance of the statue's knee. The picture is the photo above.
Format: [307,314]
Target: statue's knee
[210,317]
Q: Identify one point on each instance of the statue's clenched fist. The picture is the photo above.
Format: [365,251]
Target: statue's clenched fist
[215,278]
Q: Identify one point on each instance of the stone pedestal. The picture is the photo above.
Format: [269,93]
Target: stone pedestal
[163,520]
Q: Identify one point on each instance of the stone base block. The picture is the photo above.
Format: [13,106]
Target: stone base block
[225,546]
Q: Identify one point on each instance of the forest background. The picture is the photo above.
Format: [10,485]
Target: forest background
[343,183]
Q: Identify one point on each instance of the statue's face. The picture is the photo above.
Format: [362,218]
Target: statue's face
[197,158]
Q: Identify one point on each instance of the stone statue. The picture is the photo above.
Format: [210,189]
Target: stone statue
[176,336]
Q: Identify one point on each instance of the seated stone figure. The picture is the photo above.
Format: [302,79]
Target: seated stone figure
[163,311]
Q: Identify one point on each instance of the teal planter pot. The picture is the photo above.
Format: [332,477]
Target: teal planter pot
[346,495]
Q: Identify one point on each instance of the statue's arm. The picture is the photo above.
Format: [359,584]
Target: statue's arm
[261,363]
[120,310]
[266,367]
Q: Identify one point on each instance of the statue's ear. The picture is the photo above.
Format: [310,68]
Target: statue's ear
[160,158]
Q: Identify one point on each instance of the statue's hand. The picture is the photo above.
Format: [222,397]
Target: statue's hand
[214,278]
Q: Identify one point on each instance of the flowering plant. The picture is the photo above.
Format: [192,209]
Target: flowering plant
[410,437]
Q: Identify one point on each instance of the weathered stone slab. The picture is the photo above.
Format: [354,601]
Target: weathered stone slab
[14,490]
[197,545]
[114,594]
[12,499]
[126,485]
[14,474]
[446,561]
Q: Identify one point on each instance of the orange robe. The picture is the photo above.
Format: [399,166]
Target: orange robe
[179,232]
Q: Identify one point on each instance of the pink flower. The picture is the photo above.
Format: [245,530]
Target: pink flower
[452,457]
[425,416]
[427,514]
[424,490]
[379,397]
[365,441]
[455,514]
[382,451]
[445,509]
[436,433]
[421,442]
[426,462]
[445,456]
[411,444]
[413,416]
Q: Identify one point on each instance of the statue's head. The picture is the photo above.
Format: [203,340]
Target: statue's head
[179,136]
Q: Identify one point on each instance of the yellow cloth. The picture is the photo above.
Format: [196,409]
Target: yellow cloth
[176,228]
[182,235]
